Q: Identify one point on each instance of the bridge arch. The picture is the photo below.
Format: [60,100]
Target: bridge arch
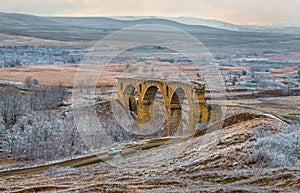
[148,104]
[129,94]
[176,111]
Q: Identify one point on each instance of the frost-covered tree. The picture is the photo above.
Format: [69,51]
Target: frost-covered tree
[32,127]
[47,97]
[10,105]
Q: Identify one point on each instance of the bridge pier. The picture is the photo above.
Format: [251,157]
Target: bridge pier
[175,119]
[144,112]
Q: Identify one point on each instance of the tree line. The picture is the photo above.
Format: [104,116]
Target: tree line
[31,125]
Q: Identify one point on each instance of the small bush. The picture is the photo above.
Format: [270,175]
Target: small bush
[234,80]
[244,72]
[279,150]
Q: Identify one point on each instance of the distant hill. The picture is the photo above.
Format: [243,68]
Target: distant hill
[192,21]
[220,24]
[218,37]
[82,28]
[95,28]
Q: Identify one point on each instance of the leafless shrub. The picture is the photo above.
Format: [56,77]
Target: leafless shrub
[278,150]
[29,82]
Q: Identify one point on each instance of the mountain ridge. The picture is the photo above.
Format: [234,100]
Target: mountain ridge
[95,28]
[82,28]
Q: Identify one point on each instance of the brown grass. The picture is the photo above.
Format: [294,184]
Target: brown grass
[287,69]
[49,74]
[66,74]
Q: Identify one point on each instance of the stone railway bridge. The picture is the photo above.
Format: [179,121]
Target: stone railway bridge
[138,94]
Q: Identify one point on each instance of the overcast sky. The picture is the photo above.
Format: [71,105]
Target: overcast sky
[261,12]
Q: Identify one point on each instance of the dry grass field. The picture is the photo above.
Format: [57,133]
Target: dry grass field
[47,75]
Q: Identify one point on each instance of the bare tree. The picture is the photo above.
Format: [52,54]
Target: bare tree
[234,80]
[11,103]
[47,97]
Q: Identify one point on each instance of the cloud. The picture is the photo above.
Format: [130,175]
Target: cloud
[236,11]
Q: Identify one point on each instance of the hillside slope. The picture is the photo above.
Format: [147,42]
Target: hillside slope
[80,28]
[220,161]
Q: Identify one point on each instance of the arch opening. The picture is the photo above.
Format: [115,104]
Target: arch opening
[179,113]
[153,111]
[133,103]
[131,98]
